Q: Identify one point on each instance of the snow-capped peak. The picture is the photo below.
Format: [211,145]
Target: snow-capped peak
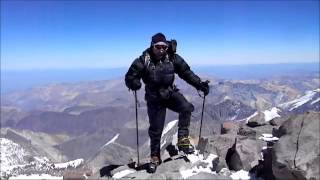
[309,95]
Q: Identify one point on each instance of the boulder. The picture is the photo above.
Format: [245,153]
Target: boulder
[257,120]
[243,155]
[229,127]
[219,145]
[297,153]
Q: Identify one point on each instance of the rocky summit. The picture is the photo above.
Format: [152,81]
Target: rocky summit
[287,151]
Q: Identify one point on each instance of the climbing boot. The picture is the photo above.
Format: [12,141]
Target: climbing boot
[184,145]
[154,162]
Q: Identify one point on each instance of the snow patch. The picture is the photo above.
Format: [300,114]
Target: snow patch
[169,126]
[242,174]
[35,176]
[300,101]
[268,137]
[112,140]
[250,117]
[12,156]
[175,138]
[273,113]
[196,157]
[42,160]
[123,173]
[163,143]
[74,164]
[315,101]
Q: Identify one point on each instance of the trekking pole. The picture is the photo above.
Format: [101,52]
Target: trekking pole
[136,103]
[204,99]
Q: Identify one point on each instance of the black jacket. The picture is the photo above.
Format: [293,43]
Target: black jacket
[159,75]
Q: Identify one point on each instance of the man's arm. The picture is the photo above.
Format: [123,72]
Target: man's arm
[133,76]
[184,72]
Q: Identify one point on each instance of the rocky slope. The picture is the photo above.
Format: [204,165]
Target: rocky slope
[64,122]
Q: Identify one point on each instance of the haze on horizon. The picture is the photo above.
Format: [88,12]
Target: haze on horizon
[108,34]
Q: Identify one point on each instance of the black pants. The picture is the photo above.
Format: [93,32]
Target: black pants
[157,113]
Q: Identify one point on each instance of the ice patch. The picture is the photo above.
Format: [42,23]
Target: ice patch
[123,173]
[242,174]
[269,115]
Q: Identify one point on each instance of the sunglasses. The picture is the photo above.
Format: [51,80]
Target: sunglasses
[164,47]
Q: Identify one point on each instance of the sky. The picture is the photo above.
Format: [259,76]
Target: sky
[85,34]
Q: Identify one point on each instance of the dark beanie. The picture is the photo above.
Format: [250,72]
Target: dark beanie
[159,37]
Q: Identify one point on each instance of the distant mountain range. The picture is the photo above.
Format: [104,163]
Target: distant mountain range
[13,80]
[68,121]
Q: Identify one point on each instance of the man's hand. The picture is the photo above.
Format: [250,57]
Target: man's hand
[135,85]
[204,87]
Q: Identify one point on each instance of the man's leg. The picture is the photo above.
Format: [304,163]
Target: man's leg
[179,104]
[157,114]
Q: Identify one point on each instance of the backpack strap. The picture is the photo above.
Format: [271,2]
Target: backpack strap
[147,60]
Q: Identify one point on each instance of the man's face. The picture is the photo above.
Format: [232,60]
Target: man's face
[160,49]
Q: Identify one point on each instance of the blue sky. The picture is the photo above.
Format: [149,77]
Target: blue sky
[106,34]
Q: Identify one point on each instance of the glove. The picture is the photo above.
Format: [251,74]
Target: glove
[204,87]
[135,85]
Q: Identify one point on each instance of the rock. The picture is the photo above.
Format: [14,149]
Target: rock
[202,144]
[278,121]
[256,132]
[225,172]
[229,127]
[173,175]
[173,166]
[203,175]
[138,175]
[248,132]
[243,155]
[219,145]
[297,153]
[257,120]
[158,176]
[113,154]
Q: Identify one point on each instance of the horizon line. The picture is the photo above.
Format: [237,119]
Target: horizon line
[121,67]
